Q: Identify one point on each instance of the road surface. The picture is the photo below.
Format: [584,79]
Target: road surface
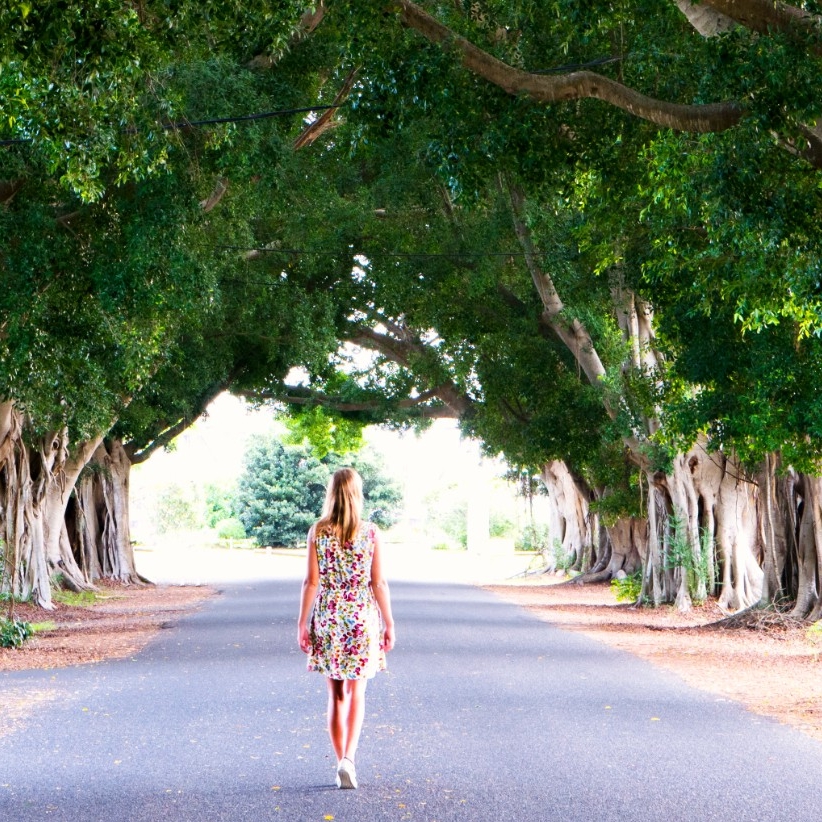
[486,714]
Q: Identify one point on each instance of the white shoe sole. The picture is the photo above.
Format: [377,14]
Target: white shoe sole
[346,779]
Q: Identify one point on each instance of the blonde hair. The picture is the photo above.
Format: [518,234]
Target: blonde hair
[342,511]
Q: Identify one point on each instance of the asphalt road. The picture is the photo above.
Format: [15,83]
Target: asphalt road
[486,714]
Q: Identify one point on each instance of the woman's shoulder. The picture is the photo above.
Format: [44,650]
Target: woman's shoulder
[369,529]
[321,531]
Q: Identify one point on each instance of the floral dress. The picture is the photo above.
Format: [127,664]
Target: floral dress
[345,628]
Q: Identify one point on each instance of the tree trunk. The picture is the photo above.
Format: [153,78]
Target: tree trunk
[58,493]
[98,519]
[26,475]
[704,502]
[628,537]
[807,506]
[572,528]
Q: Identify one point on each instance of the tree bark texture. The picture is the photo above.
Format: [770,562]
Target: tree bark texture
[575,85]
[32,477]
[98,518]
[572,527]
[39,513]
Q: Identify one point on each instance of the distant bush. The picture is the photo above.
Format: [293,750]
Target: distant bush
[501,525]
[533,538]
[177,509]
[230,528]
[282,489]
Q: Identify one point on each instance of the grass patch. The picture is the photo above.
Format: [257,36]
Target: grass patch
[82,599]
[43,627]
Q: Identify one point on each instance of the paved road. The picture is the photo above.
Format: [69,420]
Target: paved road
[487,714]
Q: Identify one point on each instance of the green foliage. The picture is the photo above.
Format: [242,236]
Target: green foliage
[177,509]
[562,561]
[446,512]
[691,559]
[92,87]
[382,492]
[230,529]
[453,522]
[14,632]
[627,589]
[282,490]
[325,433]
[501,525]
[533,537]
[220,505]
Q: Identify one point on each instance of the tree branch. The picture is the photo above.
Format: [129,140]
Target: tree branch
[401,352]
[163,438]
[8,188]
[573,334]
[306,396]
[705,18]
[220,188]
[766,15]
[576,85]
[325,121]
[308,22]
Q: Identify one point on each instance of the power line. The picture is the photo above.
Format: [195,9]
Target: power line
[401,254]
[264,115]
[600,61]
[184,124]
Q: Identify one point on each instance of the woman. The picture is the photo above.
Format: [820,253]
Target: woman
[345,624]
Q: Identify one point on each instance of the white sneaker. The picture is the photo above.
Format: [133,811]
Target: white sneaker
[346,774]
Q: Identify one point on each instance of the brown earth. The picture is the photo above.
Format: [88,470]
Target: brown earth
[768,663]
[120,622]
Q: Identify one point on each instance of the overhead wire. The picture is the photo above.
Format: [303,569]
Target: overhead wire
[401,254]
[181,125]
[263,115]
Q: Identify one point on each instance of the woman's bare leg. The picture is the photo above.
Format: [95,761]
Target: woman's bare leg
[356,714]
[337,716]
[346,711]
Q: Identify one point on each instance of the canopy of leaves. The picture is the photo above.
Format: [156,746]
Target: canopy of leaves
[131,296]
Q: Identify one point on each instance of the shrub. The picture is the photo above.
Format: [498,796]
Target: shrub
[627,589]
[533,538]
[230,528]
[14,632]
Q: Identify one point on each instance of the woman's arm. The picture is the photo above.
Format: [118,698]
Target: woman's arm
[379,585]
[309,594]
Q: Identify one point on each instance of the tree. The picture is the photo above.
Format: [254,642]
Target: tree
[552,253]
[382,494]
[134,319]
[178,509]
[282,490]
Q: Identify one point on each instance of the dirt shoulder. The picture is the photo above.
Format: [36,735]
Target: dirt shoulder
[772,667]
[121,621]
